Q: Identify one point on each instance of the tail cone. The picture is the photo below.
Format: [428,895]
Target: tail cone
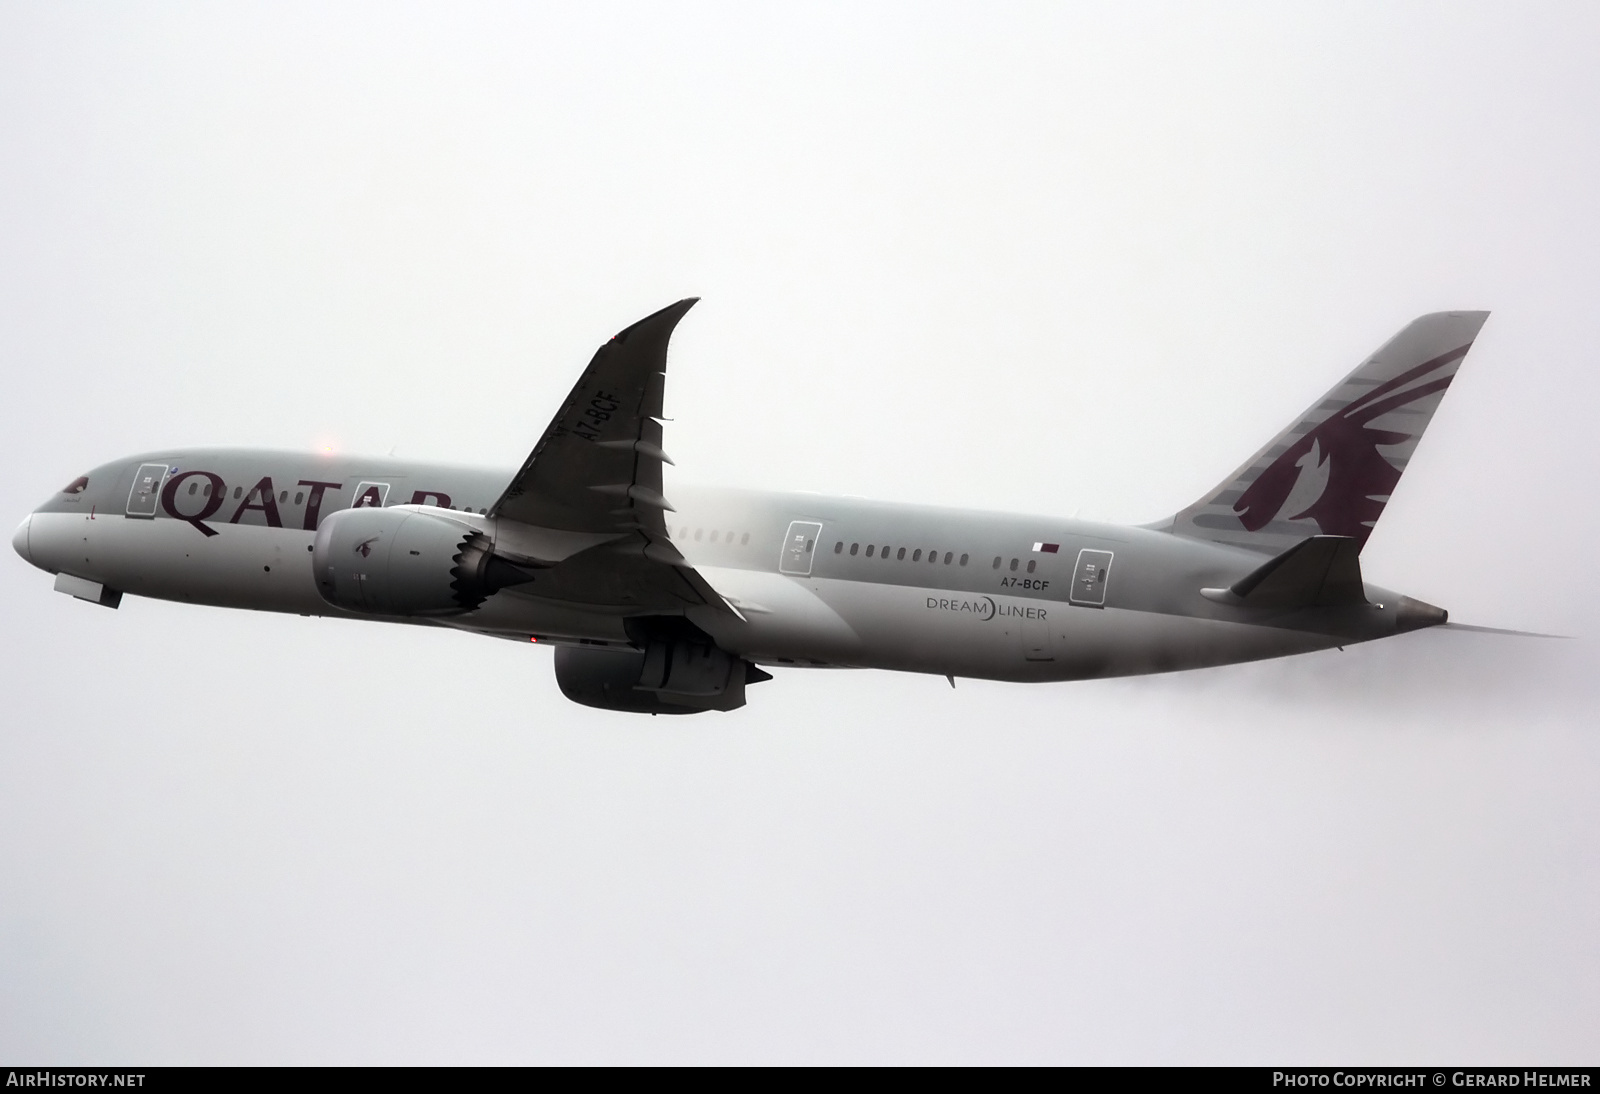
[1413,615]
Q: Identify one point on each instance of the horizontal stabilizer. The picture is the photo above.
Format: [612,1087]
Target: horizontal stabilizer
[1318,572]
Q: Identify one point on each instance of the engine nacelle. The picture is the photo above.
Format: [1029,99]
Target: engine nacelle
[406,562]
[666,677]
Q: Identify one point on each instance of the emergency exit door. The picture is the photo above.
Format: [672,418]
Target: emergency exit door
[799,548]
[1089,578]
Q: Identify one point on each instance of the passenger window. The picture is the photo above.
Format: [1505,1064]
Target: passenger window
[901,557]
[744,539]
[1013,565]
[697,533]
[870,549]
[854,547]
[947,559]
[728,539]
[206,493]
[193,486]
[996,562]
[916,556]
[237,490]
[283,495]
[838,548]
[299,496]
[713,535]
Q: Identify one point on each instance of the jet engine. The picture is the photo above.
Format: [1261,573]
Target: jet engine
[669,676]
[406,562]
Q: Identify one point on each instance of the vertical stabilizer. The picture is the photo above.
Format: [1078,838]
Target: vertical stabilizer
[1332,471]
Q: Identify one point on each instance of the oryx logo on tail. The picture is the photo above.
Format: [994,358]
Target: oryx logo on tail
[1332,471]
[1341,456]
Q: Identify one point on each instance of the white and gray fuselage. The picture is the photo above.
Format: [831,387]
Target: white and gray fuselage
[810,580]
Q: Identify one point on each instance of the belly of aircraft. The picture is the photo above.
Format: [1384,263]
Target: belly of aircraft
[811,621]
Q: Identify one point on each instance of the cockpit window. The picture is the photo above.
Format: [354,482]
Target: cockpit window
[77,485]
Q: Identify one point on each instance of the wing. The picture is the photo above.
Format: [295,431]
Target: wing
[589,498]
[598,466]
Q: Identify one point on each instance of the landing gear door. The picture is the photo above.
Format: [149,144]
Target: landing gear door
[799,548]
[146,493]
[1090,577]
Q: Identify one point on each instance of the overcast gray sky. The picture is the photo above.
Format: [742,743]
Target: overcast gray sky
[1044,258]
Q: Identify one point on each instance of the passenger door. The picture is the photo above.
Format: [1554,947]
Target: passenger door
[145,496]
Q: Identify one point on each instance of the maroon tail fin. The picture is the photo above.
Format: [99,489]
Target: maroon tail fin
[1332,471]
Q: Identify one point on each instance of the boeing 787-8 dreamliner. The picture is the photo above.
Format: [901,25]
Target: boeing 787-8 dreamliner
[669,606]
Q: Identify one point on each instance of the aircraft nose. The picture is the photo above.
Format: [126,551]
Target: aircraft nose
[19,539]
